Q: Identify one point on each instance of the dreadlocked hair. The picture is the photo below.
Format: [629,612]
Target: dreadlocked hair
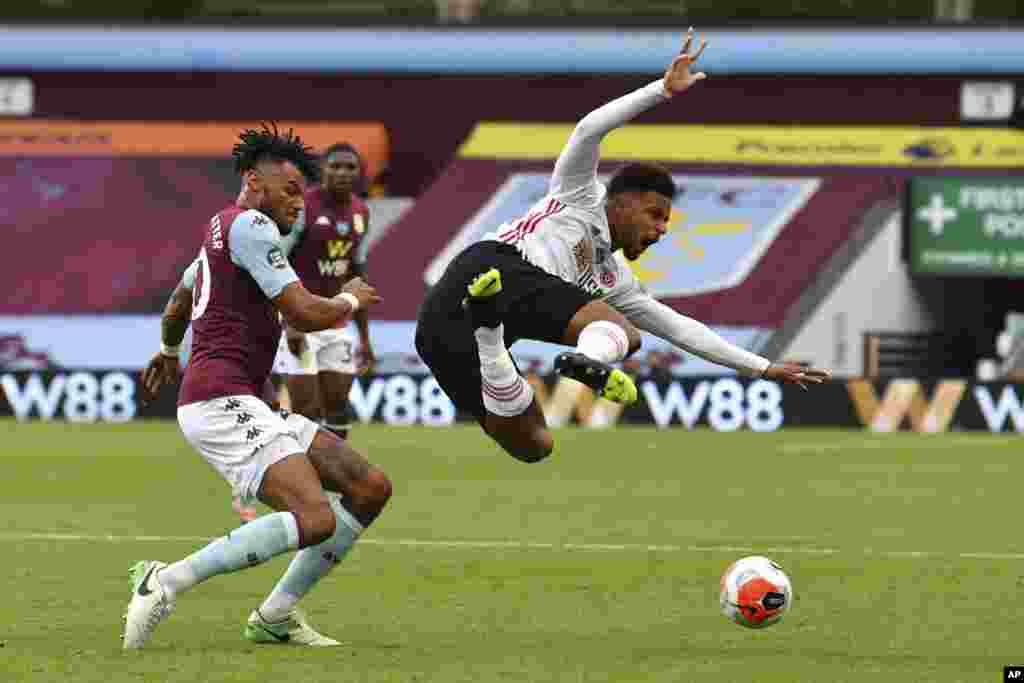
[643,177]
[268,143]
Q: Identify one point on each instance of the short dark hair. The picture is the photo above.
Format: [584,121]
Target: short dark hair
[361,186]
[268,143]
[642,177]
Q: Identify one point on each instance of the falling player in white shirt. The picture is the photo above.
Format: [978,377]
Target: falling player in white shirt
[559,274]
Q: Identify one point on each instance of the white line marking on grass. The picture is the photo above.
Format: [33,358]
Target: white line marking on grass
[527,545]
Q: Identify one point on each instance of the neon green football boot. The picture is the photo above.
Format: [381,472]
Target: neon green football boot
[481,302]
[294,630]
[610,383]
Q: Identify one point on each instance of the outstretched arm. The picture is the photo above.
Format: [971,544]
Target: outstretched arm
[577,164]
[641,309]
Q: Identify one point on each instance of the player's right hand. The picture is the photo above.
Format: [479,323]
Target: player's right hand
[364,293]
[160,371]
[796,374]
[679,76]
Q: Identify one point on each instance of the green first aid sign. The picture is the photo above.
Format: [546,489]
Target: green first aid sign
[964,226]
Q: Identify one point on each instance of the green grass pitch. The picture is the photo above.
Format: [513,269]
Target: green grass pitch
[599,564]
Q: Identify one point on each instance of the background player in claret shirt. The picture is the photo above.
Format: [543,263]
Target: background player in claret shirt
[560,275]
[328,250]
[243,285]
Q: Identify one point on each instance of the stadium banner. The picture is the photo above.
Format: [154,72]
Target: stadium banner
[721,403]
[67,138]
[966,225]
[883,146]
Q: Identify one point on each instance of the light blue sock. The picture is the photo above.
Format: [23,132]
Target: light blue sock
[246,546]
[312,564]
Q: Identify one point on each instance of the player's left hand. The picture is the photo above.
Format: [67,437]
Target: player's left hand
[678,76]
[160,371]
[367,360]
[796,374]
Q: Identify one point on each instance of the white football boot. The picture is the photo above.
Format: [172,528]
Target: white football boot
[149,605]
[294,630]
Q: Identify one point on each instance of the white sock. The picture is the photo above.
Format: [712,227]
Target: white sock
[504,391]
[246,546]
[603,340]
[312,564]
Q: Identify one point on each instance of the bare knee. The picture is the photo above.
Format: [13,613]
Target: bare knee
[539,448]
[371,493]
[316,522]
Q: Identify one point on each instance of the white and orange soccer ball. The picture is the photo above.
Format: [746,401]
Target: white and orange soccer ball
[756,593]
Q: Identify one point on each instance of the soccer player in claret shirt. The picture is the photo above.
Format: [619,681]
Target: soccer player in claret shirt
[328,249]
[559,274]
[324,492]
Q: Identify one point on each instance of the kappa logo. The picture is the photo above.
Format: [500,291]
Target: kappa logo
[905,401]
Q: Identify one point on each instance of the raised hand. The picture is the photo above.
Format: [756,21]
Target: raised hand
[678,75]
[796,374]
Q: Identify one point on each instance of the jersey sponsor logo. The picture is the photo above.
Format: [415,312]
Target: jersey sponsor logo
[581,253]
[259,220]
[276,258]
[338,248]
[332,268]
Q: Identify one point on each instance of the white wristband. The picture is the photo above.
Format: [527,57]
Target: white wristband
[171,351]
[352,301]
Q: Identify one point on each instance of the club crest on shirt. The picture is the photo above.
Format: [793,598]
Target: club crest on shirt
[343,228]
[323,220]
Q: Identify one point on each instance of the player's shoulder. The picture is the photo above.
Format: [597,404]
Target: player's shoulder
[254,224]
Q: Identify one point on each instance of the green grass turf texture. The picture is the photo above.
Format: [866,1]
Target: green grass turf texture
[600,564]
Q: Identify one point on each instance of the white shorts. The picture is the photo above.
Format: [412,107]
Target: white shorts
[240,436]
[327,350]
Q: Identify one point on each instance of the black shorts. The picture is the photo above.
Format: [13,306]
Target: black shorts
[533,305]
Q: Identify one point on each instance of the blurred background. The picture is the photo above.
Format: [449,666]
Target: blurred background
[852,194]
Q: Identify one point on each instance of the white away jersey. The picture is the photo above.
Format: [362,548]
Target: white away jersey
[566,234]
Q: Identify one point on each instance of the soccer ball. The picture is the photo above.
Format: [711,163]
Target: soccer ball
[756,593]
